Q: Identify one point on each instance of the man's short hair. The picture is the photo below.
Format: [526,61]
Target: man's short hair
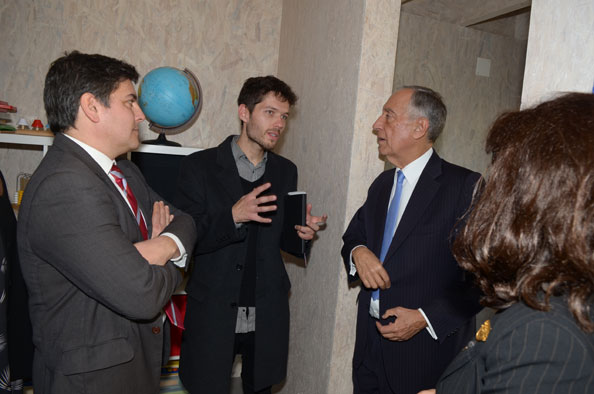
[428,103]
[254,89]
[74,74]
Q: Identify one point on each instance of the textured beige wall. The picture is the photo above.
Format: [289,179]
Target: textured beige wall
[560,54]
[339,56]
[443,57]
[222,42]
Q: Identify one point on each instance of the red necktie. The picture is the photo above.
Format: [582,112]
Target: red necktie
[171,309]
[120,180]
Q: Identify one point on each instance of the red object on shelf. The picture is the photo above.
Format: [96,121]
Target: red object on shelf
[5,107]
[37,125]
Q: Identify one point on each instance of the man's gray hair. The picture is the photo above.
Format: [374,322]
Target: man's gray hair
[428,103]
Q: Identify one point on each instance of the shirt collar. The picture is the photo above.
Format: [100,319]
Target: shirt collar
[101,158]
[412,172]
[239,155]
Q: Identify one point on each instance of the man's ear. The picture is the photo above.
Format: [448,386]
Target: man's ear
[90,106]
[243,113]
[421,127]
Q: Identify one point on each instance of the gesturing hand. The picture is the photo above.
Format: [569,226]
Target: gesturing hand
[408,323]
[249,206]
[312,225]
[161,218]
[370,269]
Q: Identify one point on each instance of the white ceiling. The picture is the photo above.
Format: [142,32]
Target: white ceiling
[496,16]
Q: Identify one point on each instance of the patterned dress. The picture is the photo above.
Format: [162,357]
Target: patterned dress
[14,314]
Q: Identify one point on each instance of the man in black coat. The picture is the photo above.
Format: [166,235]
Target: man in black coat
[415,310]
[235,194]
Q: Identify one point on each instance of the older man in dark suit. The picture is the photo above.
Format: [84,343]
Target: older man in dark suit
[96,244]
[415,308]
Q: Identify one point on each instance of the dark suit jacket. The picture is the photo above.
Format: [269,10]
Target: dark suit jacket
[95,302]
[209,185]
[422,270]
[527,351]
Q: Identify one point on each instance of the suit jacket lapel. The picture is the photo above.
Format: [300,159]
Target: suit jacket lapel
[424,192]
[273,174]
[469,354]
[143,200]
[64,143]
[381,212]
[227,174]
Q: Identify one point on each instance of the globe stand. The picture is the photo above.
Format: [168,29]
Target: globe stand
[161,140]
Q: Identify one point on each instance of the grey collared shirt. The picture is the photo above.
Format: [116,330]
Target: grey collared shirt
[246,169]
[246,317]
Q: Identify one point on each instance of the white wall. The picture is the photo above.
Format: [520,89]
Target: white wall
[560,55]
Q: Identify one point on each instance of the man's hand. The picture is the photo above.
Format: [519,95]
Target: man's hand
[370,269]
[161,218]
[158,251]
[432,391]
[249,206]
[408,323]
[312,225]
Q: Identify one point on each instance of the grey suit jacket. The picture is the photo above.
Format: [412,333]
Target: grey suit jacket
[94,301]
[527,351]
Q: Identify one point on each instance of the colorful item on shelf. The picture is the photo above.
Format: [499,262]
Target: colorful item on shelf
[37,125]
[22,124]
[5,107]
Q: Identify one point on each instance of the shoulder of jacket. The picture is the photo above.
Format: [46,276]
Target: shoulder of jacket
[281,160]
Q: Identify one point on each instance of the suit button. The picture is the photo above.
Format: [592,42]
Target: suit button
[233,305]
[239,267]
[156,330]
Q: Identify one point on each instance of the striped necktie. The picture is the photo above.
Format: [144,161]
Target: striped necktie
[120,180]
[171,310]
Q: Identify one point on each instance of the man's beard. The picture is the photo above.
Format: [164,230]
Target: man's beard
[265,145]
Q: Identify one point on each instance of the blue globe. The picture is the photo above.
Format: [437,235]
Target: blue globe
[169,97]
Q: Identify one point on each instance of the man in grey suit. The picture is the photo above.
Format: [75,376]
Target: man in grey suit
[96,244]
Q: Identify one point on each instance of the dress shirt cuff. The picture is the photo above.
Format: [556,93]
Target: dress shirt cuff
[353,270]
[374,308]
[429,327]
[180,261]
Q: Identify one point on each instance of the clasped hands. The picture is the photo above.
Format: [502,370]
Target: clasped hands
[374,276]
[250,206]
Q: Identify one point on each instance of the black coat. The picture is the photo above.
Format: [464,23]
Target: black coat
[422,270]
[209,185]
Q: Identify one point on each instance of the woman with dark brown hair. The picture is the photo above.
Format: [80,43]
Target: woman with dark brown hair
[529,242]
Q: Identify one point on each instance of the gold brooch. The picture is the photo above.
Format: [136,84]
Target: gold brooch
[483,333]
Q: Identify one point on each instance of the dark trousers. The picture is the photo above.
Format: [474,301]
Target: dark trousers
[370,376]
[244,345]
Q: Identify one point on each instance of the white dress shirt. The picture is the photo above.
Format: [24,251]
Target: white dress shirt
[412,173]
[106,163]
